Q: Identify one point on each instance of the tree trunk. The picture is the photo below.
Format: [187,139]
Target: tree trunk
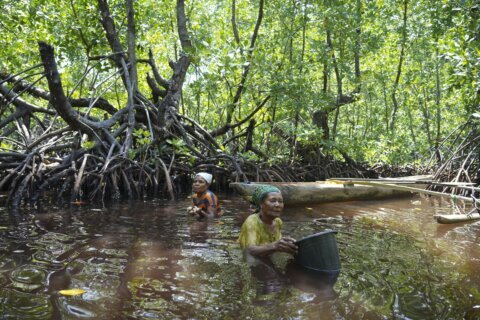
[399,67]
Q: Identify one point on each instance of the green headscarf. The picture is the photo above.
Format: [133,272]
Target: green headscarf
[260,192]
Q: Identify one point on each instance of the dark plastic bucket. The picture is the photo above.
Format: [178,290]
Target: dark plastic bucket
[319,252]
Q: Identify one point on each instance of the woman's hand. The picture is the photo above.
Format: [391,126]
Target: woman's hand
[286,244]
[194,211]
[198,212]
[191,211]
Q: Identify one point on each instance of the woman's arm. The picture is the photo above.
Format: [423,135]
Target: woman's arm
[210,212]
[285,244]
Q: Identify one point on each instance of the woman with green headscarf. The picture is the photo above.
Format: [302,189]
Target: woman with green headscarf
[261,232]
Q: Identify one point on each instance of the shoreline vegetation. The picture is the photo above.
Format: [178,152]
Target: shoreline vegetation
[104,102]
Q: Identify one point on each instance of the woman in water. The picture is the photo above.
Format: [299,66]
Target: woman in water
[261,232]
[205,202]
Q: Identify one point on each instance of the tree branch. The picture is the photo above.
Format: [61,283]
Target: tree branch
[182,26]
[227,127]
[246,66]
[111,34]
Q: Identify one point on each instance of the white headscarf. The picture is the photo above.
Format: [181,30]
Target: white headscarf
[207,176]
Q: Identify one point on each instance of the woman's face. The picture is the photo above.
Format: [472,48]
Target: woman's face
[199,185]
[272,205]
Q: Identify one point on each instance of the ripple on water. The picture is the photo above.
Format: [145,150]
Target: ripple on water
[75,307]
[44,257]
[23,305]
[3,280]
[415,305]
[7,264]
[27,278]
[473,313]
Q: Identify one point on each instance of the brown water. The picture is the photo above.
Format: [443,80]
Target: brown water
[149,260]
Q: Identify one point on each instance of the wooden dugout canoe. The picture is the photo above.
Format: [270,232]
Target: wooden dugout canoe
[321,191]
[456,218]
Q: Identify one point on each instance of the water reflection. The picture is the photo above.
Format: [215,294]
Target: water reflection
[321,283]
[269,277]
[150,260]
[279,272]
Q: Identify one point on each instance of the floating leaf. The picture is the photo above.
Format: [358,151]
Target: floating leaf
[72,292]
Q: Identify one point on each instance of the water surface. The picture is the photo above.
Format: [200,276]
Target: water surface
[149,260]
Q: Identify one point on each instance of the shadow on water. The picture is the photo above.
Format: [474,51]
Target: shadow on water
[148,259]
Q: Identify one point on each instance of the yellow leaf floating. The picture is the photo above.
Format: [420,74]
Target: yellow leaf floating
[72,292]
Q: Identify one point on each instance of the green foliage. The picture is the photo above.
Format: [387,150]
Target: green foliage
[142,136]
[5,145]
[438,87]
[178,146]
[88,144]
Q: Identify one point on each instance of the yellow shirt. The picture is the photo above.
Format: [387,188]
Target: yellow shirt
[255,232]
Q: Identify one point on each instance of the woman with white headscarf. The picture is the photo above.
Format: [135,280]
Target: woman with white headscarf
[205,202]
